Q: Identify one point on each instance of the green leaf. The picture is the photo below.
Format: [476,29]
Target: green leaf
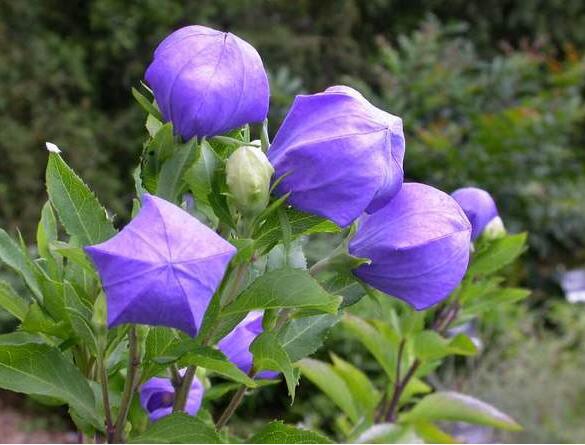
[170,180]
[178,428]
[270,233]
[214,360]
[270,356]
[33,368]
[301,337]
[363,391]
[323,376]
[146,104]
[14,257]
[388,433]
[429,346]
[278,432]
[497,298]
[159,342]
[37,320]
[11,301]
[497,254]
[284,288]
[383,350]
[453,406]
[80,313]
[74,254]
[77,207]
[199,177]
[46,234]
[431,433]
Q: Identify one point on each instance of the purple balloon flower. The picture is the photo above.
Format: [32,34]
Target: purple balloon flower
[207,82]
[479,207]
[162,268]
[418,245]
[236,345]
[339,155]
[157,396]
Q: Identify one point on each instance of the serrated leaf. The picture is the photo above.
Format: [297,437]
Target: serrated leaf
[33,368]
[270,233]
[214,360]
[453,406]
[14,257]
[77,207]
[270,356]
[46,234]
[284,288]
[159,342]
[278,432]
[170,180]
[11,301]
[363,391]
[37,320]
[497,298]
[323,376]
[497,254]
[199,177]
[80,314]
[380,347]
[74,254]
[301,337]
[178,428]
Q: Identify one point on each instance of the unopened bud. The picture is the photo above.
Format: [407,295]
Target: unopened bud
[248,174]
[494,229]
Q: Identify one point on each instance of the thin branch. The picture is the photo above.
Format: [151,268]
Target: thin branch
[183,391]
[129,385]
[233,404]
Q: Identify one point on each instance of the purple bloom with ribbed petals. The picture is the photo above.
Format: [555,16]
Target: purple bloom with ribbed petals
[339,155]
[157,396]
[162,268]
[418,245]
[236,345]
[478,205]
[207,82]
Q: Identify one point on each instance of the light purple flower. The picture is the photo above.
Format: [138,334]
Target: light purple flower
[418,245]
[236,345]
[479,207]
[340,154]
[162,268]
[157,396]
[207,82]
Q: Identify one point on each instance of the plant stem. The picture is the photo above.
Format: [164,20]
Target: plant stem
[129,385]
[444,320]
[233,405]
[103,376]
[175,376]
[183,391]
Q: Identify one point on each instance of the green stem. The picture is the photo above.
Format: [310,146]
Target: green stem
[103,376]
[233,404]
[129,385]
[183,391]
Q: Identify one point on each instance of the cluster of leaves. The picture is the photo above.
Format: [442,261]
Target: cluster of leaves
[510,124]
[392,403]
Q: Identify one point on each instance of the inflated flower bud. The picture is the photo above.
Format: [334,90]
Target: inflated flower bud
[248,174]
[481,210]
[207,82]
[418,245]
[339,155]
[157,396]
[162,268]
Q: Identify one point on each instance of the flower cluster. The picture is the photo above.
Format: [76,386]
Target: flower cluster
[335,155]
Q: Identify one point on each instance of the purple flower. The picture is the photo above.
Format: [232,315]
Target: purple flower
[162,268]
[339,155]
[418,245]
[207,82]
[236,345]
[479,207]
[157,396]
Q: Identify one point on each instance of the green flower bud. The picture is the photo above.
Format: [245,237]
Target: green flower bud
[495,229]
[248,174]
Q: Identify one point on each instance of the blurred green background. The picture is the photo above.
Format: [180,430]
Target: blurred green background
[491,93]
